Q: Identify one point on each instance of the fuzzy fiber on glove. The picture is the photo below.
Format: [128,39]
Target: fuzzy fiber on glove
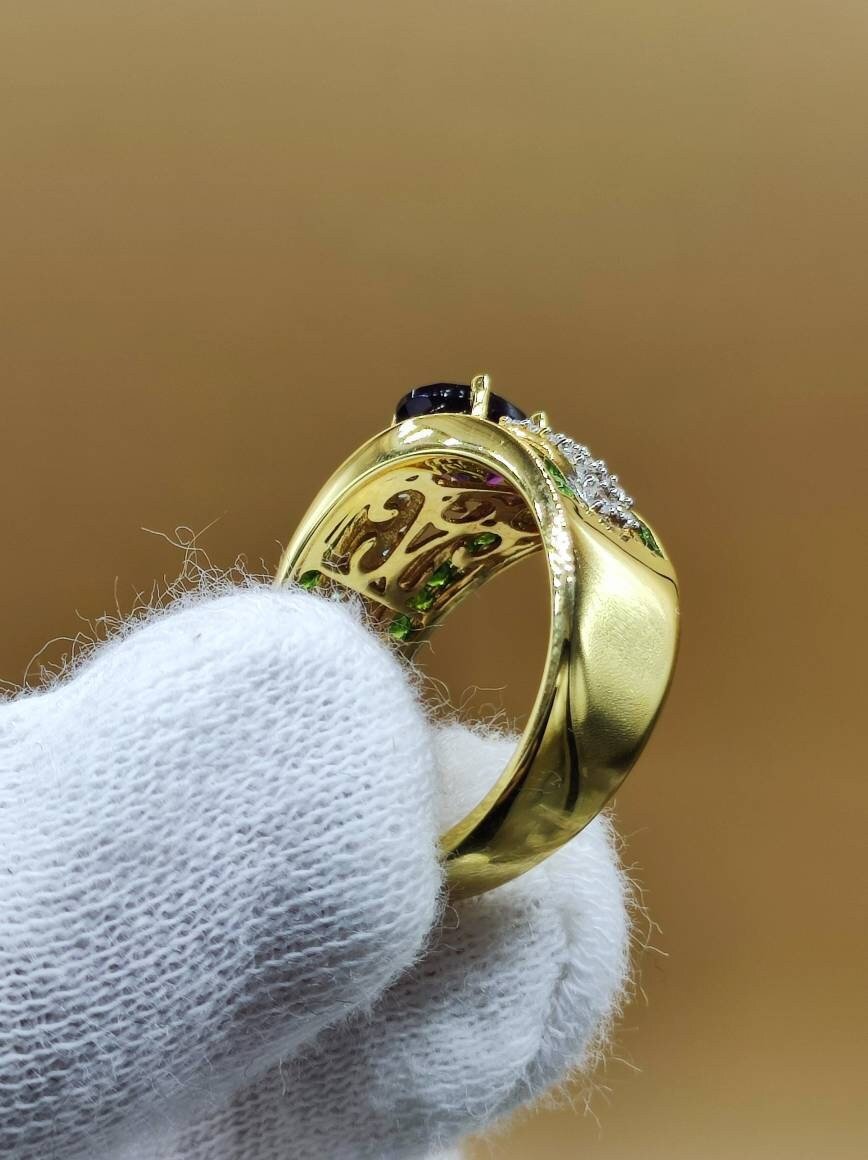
[222,928]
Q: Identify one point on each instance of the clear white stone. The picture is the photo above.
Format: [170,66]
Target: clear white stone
[595,486]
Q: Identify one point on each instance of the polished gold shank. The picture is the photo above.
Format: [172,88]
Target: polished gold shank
[430,509]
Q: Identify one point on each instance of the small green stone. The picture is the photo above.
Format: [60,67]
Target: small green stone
[400,628]
[441,577]
[560,479]
[483,542]
[423,600]
[647,538]
[309,580]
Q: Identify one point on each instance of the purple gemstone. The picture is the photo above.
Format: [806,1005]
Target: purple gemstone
[451,398]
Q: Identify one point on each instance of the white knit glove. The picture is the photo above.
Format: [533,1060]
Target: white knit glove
[221,934]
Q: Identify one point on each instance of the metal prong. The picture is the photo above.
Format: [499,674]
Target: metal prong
[542,420]
[480,390]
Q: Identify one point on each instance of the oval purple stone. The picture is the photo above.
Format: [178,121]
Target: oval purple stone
[451,398]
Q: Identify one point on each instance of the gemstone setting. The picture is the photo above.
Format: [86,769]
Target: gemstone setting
[401,628]
[440,579]
[309,580]
[589,481]
[484,542]
[452,399]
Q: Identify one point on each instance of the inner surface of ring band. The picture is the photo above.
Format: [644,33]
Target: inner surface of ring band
[413,540]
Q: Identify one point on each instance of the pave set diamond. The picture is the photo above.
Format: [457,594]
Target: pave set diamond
[589,479]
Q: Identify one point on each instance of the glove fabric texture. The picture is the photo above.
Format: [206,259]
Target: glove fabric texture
[223,934]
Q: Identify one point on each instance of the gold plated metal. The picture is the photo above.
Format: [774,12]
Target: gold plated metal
[430,509]
[480,393]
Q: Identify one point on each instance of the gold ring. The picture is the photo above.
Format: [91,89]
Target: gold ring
[458,488]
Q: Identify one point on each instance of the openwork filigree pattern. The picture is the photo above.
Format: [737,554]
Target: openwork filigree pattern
[437,530]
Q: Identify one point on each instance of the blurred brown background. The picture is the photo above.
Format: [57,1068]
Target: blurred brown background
[233,233]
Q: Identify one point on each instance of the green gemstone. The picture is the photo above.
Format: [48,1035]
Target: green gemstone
[309,580]
[483,542]
[400,628]
[560,479]
[423,600]
[443,576]
[647,538]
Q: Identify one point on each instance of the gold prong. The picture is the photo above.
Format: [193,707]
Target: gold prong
[480,391]
[542,420]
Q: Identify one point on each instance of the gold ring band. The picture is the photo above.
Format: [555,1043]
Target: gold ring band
[442,501]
